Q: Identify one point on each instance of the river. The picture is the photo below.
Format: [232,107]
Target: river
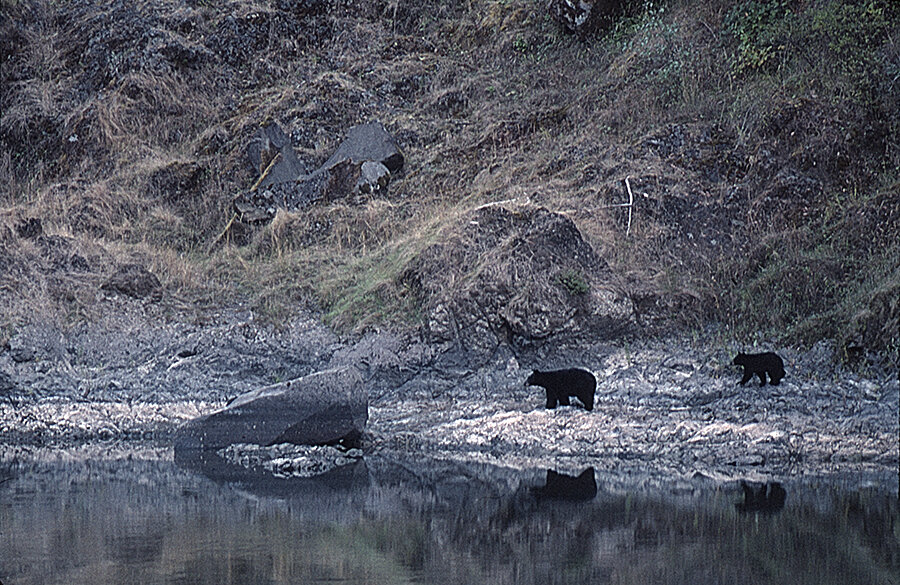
[123,514]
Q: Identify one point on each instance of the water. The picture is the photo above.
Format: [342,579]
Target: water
[142,518]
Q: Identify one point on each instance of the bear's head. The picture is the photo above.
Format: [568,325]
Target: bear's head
[740,359]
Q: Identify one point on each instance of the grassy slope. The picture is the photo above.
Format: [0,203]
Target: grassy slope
[761,141]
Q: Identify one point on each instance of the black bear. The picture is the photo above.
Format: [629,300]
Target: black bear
[760,364]
[560,486]
[560,384]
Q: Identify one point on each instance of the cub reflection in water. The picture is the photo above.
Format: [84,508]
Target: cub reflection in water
[560,486]
[766,497]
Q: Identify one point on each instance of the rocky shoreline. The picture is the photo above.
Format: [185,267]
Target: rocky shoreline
[668,405]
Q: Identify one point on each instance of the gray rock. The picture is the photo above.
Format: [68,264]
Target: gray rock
[361,165]
[368,142]
[319,409]
[584,16]
[373,177]
[272,156]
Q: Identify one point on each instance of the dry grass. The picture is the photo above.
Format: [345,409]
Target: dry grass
[139,147]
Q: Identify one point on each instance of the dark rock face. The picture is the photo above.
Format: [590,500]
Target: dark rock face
[177,182]
[135,281]
[585,16]
[361,166]
[30,228]
[319,409]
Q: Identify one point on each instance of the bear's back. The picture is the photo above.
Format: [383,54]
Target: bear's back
[568,376]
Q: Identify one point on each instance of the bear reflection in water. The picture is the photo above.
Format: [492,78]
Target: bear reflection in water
[560,486]
[766,497]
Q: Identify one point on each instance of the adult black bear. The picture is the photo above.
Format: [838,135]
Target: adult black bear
[760,364]
[560,384]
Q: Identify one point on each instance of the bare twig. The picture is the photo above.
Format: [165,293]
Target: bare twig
[630,205]
[266,171]
[496,203]
[224,233]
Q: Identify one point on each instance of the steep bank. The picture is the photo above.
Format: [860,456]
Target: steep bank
[727,162]
[715,172]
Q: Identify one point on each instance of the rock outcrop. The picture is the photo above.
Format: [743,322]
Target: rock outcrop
[521,274]
[323,408]
[273,158]
[361,166]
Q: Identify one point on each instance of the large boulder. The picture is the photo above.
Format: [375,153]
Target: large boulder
[323,408]
[368,142]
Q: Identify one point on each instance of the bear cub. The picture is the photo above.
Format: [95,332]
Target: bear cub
[561,384]
[760,364]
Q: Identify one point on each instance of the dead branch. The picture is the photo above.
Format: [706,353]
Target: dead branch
[629,205]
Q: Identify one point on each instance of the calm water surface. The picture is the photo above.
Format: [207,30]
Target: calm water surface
[152,520]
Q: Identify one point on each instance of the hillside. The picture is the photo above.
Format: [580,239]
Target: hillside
[758,144]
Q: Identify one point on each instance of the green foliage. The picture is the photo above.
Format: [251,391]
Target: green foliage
[759,27]
[837,41]
[574,282]
[849,35]
[837,277]
[371,289]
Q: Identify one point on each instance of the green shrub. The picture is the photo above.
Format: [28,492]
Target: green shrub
[759,28]
[574,282]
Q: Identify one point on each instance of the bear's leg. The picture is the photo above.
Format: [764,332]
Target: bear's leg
[762,377]
[564,400]
[551,398]
[748,373]
[775,378]
[586,398]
